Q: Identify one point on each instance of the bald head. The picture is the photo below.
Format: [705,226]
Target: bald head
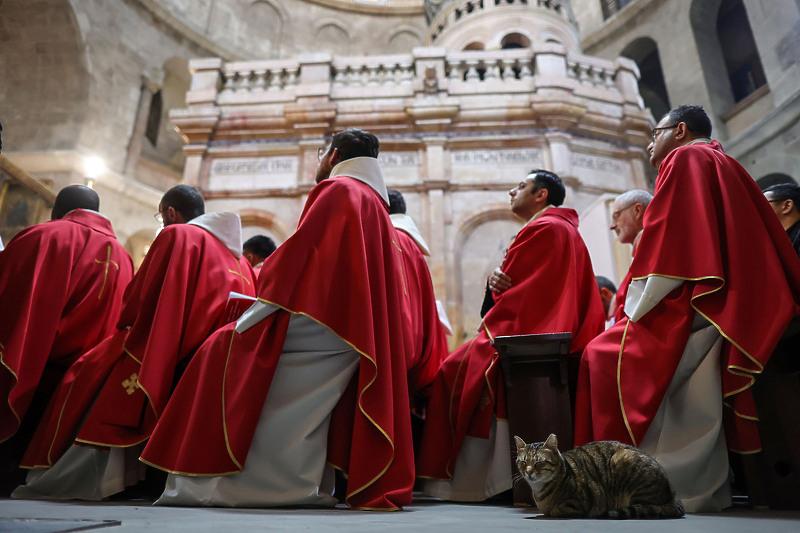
[181,204]
[74,197]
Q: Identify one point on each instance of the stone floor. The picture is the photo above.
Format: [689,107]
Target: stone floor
[31,516]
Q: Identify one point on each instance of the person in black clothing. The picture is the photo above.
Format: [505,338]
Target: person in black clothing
[785,201]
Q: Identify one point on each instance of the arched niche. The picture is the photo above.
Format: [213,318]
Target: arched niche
[403,41]
[138,244]
[514,40]
[480,246]
[333,37]
[44,92]
[652,87]
[260,222]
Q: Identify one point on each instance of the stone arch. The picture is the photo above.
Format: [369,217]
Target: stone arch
[138,244]
[474,45]
[477,249]
[403,40]
[652,87]
[725,65]
[515,39]
[774,178]
[332,35]
[167,150]
[44,95]
[265,222]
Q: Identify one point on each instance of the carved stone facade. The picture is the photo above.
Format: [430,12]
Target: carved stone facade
[457,129]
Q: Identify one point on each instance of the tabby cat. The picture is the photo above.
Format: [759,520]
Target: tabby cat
[600,479]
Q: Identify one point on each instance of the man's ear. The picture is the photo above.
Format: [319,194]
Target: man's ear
[335,156]
[638,211]
[543,194]
[681,132]
[787,206]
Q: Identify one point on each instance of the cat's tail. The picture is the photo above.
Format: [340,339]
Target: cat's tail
[669,510]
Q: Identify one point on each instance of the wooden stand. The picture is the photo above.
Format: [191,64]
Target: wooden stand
[540,377]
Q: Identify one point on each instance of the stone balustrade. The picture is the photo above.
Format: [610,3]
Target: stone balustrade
[459,10]
[423,73]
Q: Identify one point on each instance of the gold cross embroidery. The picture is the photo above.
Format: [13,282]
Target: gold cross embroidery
[131,384]
[232,271]
[108,264]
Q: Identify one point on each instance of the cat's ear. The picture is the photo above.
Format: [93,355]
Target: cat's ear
[551,442]
[520,443]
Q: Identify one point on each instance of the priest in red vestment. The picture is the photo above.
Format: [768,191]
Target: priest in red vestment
[256,249]
[112,396]
[466,446]
[61,285]
[627,221]
[250,422]
[714,283]
[428,332]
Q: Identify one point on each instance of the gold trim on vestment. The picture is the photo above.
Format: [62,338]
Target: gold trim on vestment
[58,424]
[736,370]
[452,397]
[8,399]
[361,394]
[231,455]
[107,445]
[141,386]
[486,375]
[619,383]
[125,350]
[187,474]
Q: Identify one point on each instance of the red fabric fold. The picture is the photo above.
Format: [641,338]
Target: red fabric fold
[177,299]
[554,290]
[343,269]
[709,225]
[61,284]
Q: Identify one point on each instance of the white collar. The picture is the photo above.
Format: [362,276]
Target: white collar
[405,223]
[539,213]
[701,140]
[227,227]
[366,170]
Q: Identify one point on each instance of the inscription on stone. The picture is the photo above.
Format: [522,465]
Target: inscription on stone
[496,157]
[494,165]
[400,167]
[243,173]
[601,164]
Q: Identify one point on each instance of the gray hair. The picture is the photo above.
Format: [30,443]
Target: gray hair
[634,196]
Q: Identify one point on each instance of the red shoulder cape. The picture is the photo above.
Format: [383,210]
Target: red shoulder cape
[61,284]
[115,392]
[709,225]
[427,332]
[342,268]
[554,290]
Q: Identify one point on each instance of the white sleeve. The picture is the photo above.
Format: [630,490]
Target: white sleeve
[644,294]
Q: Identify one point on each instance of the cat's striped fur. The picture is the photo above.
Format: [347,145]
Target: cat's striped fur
[600,479]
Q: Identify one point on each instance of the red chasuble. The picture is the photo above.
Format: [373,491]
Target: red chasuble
[429,338]
[709,225]
[61,286]
[554,290]
[114,393]
[342,268]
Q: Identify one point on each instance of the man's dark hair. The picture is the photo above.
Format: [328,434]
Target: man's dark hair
[354,142]
[695,118]
[74,197]
[785,191]
[186,200]
[544,179]
[1,136]
[260,245]
[605,283]
[397,204]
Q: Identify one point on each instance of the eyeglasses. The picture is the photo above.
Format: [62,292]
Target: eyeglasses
[616,214]
[655,131]
[159,218]
[321,151]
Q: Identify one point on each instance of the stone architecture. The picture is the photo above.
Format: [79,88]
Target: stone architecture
[502,89]
[466,95]
[740,59]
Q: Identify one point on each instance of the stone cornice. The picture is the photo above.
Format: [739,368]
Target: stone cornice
[613,27]
[387,7]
